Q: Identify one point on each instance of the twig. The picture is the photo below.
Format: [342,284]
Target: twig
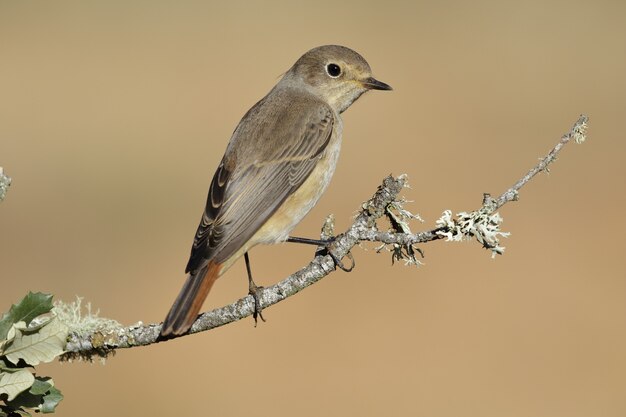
[490,205]
[578,133]
[364,228]
[5,182]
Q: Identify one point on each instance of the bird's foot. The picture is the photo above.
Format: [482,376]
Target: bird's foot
[339,264]
[254,290]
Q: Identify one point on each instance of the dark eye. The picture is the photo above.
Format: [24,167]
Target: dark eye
[333,70]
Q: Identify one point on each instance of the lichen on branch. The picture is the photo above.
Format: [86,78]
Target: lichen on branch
[482,224]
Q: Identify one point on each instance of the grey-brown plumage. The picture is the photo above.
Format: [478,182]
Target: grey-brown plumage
[277,164]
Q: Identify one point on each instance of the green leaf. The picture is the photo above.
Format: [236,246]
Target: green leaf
[25,400]
[42,346]
[34,398]
[51,400]
[31,306]
[41,385]
[5,326]
[14,383]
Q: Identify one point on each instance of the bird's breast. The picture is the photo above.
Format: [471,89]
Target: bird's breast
[298,204]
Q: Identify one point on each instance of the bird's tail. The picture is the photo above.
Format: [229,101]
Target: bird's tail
[188,303]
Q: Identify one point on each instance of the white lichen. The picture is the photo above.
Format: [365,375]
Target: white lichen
[83,323]
[399,217]
[328,228]
[579,132]
[402,215]
[482,224]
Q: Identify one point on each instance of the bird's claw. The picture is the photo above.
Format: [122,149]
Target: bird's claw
[340,264]
[327,250]
[254,291]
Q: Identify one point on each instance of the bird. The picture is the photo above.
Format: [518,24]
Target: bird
[277,164]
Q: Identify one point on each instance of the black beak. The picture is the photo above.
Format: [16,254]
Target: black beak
[373,84]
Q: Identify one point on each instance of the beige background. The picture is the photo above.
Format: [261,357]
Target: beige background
[113,117]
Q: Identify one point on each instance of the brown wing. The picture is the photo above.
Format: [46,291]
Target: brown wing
[271,153]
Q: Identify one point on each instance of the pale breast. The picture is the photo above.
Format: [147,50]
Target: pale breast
[298,205]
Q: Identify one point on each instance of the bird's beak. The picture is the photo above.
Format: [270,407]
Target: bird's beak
[372,83]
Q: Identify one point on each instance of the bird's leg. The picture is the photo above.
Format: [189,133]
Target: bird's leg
[325,247]
[253,290]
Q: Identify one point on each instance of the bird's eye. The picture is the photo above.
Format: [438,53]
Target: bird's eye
[333,70]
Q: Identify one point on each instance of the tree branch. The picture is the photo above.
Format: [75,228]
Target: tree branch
[490,205]
[481,224]
[5,182]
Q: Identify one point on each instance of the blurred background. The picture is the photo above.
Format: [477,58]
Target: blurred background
[114,115]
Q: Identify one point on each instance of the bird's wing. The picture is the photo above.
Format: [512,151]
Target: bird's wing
[272,152]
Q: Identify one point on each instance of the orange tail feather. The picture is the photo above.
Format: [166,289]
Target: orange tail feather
[188,303]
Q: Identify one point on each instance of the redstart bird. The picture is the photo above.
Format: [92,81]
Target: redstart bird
[277,165]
